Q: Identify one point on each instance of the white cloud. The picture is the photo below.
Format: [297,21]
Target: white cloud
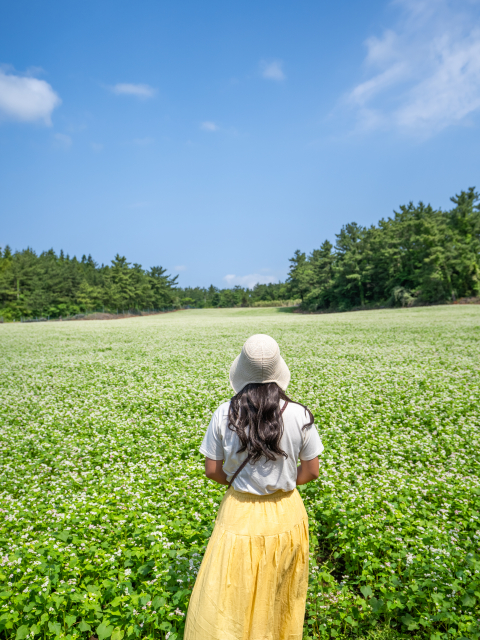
[97,147]
[248,281]
[209,126]
[180,267]
[143,142]
[26,99]
[62,141]
[272,70]
[138,90]
[424,74]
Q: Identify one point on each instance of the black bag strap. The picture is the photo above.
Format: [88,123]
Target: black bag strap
[240,468]
[247,459]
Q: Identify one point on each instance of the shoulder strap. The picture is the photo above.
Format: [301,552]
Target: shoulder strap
[240,468]
[247,459]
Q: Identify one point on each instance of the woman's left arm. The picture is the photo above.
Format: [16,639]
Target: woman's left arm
[214,471]
[308,470]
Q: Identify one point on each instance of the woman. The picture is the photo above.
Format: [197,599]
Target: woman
[252,583]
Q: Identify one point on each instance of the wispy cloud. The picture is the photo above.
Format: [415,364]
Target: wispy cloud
[248,281]
[424,72]
[272,70]
[26,99]
[208,126]
[180,267]
[143,142]
[138,90]
[97,146]
[62,141]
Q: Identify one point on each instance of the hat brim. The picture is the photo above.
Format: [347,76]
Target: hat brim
[238,378]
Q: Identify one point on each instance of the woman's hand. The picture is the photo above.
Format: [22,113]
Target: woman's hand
[308,470]
[214,471]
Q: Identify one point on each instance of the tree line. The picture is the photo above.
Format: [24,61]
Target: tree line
[51,285]
[272,294]
[420,255]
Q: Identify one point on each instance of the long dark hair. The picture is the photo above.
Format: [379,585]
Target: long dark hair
[257,407]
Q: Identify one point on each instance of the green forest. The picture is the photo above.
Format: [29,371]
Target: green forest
[420,255]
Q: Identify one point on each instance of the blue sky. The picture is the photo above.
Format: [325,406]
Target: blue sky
[215,138]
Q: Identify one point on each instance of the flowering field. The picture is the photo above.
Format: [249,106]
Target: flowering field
[105,511]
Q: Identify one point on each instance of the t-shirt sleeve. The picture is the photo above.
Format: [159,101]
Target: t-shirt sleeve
[312,445]
[212,446]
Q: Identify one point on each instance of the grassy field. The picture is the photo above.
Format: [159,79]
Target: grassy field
[105,512]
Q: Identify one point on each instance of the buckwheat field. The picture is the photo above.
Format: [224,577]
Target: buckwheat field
[105,511]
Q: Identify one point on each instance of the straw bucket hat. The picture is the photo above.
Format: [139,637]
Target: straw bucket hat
[259,361]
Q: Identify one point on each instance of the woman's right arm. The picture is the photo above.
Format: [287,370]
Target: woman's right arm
[308,470]
[214,471]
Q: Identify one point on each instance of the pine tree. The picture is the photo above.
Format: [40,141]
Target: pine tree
[299,277]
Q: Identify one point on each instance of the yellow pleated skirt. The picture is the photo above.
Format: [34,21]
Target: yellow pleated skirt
[252,583]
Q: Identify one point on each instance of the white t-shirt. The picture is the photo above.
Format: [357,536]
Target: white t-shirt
[264,476]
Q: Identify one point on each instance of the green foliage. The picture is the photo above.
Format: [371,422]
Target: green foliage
[260,295]
[105,511]
[51,285]
[419,256]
